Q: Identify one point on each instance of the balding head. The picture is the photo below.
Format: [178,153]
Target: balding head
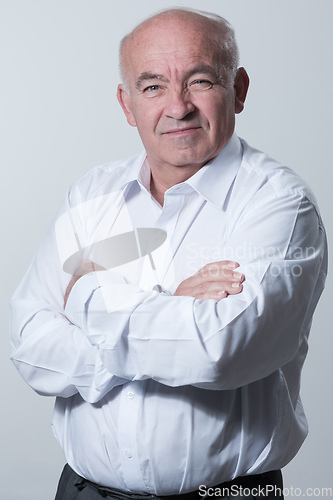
[216,30]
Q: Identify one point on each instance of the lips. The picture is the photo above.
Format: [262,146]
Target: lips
[181,131]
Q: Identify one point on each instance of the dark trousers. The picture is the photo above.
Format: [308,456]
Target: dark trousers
[260,486]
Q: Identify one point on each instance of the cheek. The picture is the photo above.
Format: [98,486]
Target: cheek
[146,117]
[210,108]
[222,117]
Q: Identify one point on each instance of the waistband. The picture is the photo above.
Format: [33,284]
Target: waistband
[273,479]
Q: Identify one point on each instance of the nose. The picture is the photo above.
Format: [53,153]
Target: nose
[178,104]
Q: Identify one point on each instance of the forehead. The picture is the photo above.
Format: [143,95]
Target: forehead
[171,45]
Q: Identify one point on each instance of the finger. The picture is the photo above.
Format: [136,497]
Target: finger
[217,296]
[198,286]
[216,270]
[237,277]
[210,279]
[234,288]
[208,289]
[221,263]
[212,288]
[219,282]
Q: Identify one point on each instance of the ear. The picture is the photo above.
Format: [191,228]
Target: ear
[241,86]
[125,103]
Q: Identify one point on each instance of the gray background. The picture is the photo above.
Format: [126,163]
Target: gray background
[59,117]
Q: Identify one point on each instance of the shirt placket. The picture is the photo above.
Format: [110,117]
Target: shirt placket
[133,392]
[130,403]
[167,221]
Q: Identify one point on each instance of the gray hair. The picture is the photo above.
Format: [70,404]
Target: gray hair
[224,38]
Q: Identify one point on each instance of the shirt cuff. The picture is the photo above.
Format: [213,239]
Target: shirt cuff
[114,294]
[80,294]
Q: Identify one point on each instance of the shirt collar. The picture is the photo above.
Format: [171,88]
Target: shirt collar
[135,170]
[212,181]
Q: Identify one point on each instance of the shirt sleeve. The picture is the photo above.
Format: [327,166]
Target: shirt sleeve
[54,356]
[281,246]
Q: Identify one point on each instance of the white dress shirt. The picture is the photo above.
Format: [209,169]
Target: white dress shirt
[160,393]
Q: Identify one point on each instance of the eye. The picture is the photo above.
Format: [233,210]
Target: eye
[152,88]
[201,84]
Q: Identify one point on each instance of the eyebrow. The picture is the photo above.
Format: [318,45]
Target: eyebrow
[201,68]
[147,76]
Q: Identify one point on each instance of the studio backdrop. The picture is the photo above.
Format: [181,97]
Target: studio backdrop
[59,117]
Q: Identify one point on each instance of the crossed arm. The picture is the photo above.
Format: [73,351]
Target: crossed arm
[216,344]
[215,281]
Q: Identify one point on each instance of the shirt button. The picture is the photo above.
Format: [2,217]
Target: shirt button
[130,394]
[128,453]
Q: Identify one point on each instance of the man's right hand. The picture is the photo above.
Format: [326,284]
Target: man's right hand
[215,281]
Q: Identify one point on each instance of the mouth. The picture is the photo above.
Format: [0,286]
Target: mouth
[180,132]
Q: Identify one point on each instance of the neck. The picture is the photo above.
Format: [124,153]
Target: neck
[157,191]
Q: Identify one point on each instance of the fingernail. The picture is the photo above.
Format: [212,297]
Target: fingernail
[237,275]
[235,285]
[221,292]
[232,265]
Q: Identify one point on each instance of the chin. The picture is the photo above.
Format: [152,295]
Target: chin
[183,158]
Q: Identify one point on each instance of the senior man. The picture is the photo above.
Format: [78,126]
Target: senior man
[174,375]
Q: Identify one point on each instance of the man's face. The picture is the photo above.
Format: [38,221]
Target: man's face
[183,111]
